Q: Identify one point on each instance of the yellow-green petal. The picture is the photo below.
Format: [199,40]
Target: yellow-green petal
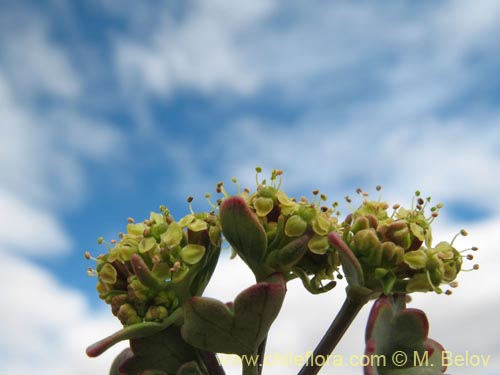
[147,244]
[192,253]
[263,206]
[295,226]
[173,235]
[318,244]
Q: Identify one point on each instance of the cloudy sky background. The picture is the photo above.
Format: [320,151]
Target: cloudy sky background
[110,108]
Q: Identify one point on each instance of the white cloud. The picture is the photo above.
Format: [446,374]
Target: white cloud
[34,62]
[196,51]
[30,230]
[47,326]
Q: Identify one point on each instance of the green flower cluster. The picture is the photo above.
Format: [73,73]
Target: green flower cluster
[157,264]
[293,233]
[395,250]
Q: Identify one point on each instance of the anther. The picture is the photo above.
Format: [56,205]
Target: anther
[131,220]
[378,188]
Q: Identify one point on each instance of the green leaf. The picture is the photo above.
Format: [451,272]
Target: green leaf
[162,353]
[394,331]
[236,328]
[242,229]
[190,368]
[132,332]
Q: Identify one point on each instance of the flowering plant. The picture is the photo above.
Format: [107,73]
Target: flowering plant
[154,276]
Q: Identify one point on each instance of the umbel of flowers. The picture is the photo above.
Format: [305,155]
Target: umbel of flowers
[272,232]
[395,249]
[157,264]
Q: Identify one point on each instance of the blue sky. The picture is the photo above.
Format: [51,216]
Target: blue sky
[110,108]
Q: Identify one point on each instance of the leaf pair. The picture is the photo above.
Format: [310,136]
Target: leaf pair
[398,335]
[235,328]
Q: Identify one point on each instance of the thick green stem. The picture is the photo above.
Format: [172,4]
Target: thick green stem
[212,364]
[250,365]
[343,320]
[260,355]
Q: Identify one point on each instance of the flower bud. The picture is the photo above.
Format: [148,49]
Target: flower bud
[156,313]
[365,241]
[295,226]
[128,315]
[392,253]
[399,233]
[360,223]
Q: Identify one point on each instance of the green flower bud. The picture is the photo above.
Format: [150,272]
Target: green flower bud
[360,223]
[192,253]
[156,313]
[392,253]
[366,241]
[117,302]
[295,226]
[399,233]
[137,291]
[318,244]
[128,315]
[158,229]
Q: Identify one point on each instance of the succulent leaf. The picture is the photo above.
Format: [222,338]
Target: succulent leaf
[236,328]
